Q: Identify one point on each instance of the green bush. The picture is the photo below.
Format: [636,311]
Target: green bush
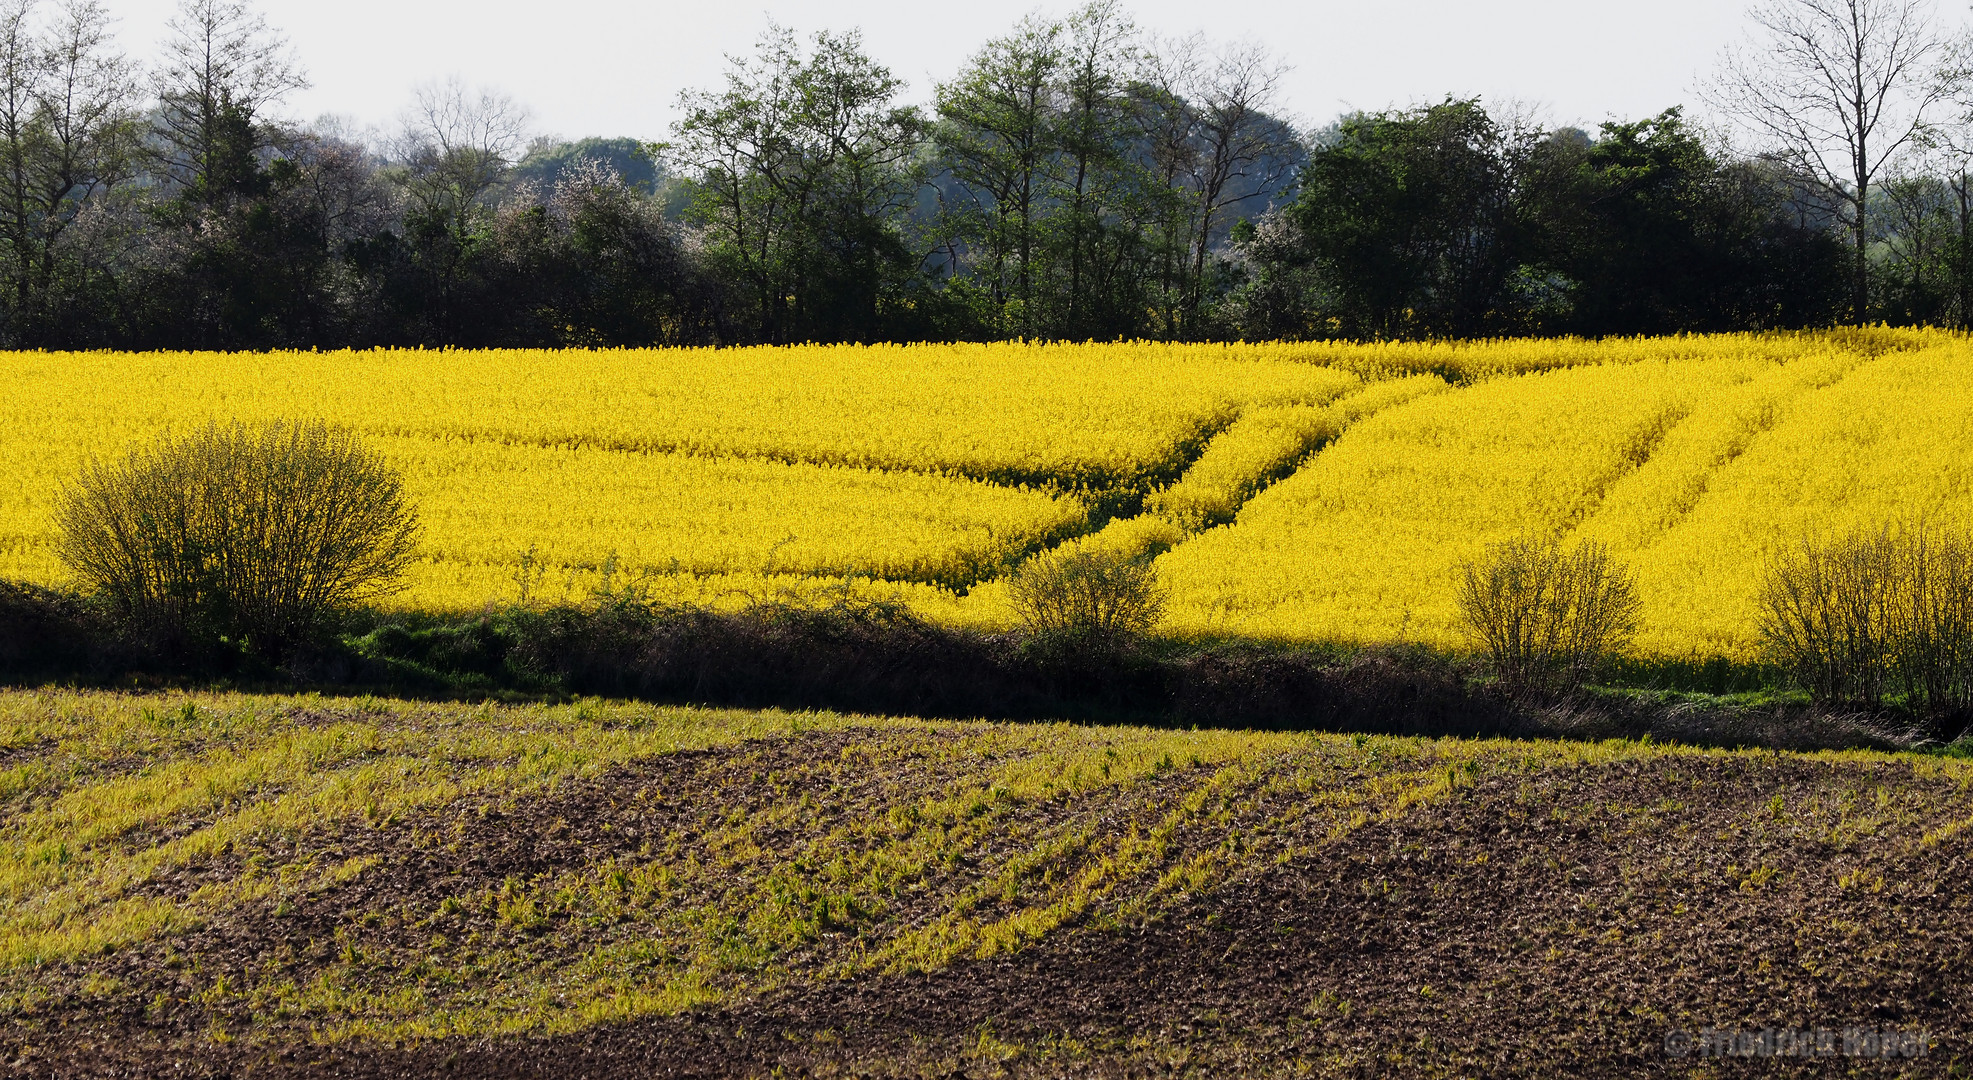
[253,535]
[1090,596]
[1546,617]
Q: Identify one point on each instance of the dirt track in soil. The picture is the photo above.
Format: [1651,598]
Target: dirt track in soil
[1558,924]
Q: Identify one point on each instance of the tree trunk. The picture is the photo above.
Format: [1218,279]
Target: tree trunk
[1860,285]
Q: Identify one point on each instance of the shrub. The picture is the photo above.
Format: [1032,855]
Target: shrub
[253,534]
[1546,617]
[1087,595]
[1872,613]
[1932,627]
[1826,614]
[43,631]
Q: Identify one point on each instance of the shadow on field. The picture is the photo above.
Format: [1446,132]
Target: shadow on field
[880,659]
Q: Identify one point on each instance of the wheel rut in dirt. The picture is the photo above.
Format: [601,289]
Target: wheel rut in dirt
[1553,924]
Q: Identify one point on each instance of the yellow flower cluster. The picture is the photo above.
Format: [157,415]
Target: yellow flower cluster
[1299,492]
[586,513]
[1690,468]
[1090,415]
[1268,443]
[700,472]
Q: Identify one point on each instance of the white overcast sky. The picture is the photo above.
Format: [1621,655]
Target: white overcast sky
[615,67]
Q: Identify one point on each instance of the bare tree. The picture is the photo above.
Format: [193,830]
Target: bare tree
[22,71]
[1838,89]
[458,143]
[455,146]
[337,173]
[1242,151]
[88,104]
[223,67]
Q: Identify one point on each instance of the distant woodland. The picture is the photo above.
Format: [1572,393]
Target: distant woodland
[1076,179]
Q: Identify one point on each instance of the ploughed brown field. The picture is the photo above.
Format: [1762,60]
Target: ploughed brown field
[226,885]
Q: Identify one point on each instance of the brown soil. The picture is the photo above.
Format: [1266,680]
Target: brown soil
[1556,924]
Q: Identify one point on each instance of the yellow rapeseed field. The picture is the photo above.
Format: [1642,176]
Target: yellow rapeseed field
[1691,469]
[719,472]
[1295,492]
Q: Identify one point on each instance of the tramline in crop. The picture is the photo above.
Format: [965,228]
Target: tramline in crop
[1297,492]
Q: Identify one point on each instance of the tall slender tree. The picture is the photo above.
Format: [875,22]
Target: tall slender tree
[1097,127]
[68,135]
[1243,152]
[996,135]
[1837,90]
[1168,72]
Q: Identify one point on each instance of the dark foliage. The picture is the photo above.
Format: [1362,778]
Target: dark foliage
[1410,219]
[1066,183]
[854,657]
[44,633]
[1398,692]
[1443,222]
[1648,232]
[882,660]
[876,658]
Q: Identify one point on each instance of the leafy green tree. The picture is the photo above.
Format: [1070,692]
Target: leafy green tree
[1409,216]
[1915,253]
[68,138]
[1095,172]
[1652,233]
[1625,219]
[803,167]
[1053,135]
[1167,75]
[996,134]
[1923,237]
[1442,222]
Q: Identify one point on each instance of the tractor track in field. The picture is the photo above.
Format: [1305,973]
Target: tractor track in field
[1554,924]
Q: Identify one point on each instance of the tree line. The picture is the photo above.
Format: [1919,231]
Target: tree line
[1075,179]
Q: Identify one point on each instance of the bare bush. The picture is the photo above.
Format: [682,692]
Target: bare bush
[1869,614]
[255,535]
[1544,616]
[1932,627]
[1087,595]
[1826,615]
